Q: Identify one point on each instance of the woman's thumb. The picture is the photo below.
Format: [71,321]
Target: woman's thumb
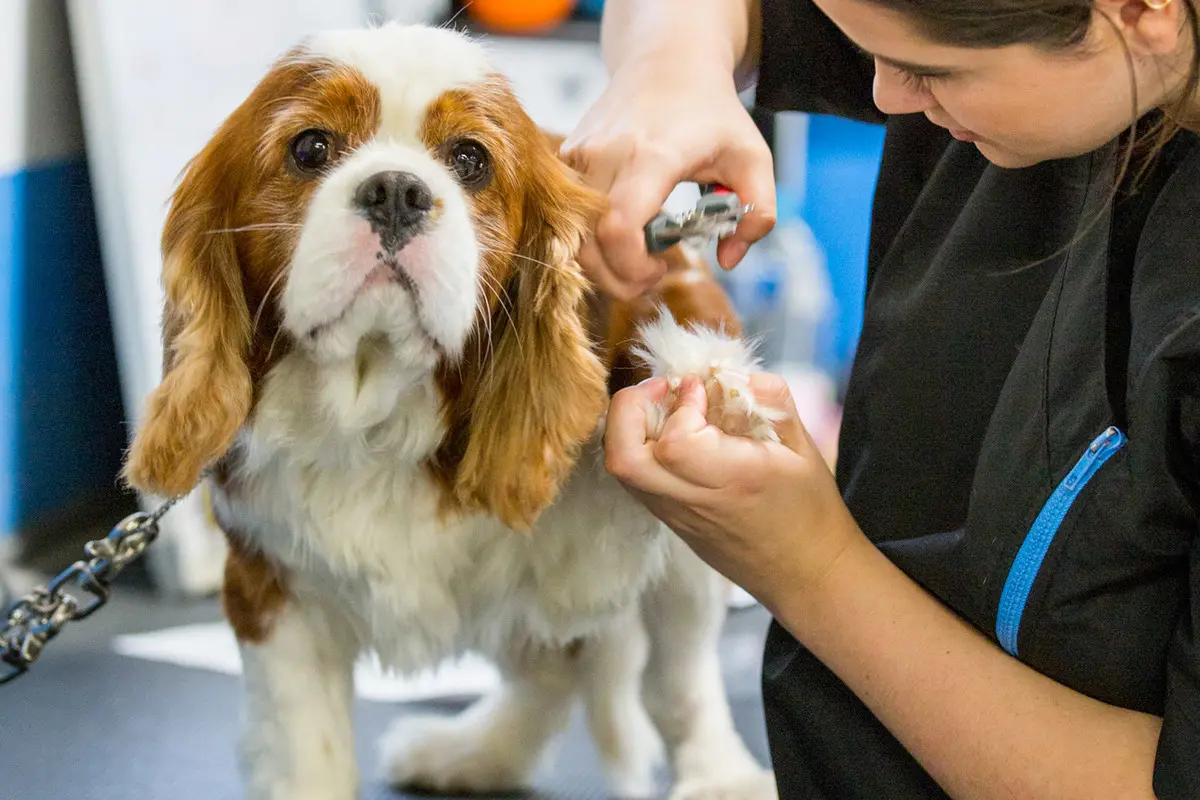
[773,392]
[691,398]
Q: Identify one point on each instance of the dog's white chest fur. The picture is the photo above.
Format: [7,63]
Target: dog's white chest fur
[331,483]
[334,488]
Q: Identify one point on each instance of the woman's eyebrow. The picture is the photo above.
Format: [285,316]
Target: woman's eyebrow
[904,66]
[916,69]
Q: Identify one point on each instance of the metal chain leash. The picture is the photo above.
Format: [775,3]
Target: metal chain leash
[41,615]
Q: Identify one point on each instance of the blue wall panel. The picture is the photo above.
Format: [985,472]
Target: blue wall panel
[61,420]
[10,325]
[843,164]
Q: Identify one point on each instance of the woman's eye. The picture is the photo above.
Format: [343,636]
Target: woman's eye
[470,163]
[921,81]
[312,150]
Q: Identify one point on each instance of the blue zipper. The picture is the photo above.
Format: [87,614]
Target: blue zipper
[1037,542]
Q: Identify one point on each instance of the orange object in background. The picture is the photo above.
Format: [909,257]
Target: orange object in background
[520,16]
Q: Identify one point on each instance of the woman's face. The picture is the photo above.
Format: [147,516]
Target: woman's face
[1018,104]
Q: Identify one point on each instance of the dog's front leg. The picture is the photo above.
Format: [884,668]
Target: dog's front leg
[684,687]
[299,740]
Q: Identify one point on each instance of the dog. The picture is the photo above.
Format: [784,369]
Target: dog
[383,358]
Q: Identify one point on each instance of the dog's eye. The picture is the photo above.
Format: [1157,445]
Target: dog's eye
[311,150]
[470,162]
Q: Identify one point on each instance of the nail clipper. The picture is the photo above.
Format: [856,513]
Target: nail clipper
[717,213]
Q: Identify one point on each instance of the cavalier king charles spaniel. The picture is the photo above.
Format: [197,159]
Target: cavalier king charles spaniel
[382,356]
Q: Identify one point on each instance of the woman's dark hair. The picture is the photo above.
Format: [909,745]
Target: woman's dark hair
[1047,24]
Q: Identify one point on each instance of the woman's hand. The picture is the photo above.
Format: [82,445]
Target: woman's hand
[770,518]
[664,119]
[767,515]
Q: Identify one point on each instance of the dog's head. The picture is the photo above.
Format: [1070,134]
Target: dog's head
[382,185]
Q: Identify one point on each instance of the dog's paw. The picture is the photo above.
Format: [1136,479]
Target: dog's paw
[631,751]
[733,408]
[633,786]
[722,362]
[452,755]
[756,785]
[301,791]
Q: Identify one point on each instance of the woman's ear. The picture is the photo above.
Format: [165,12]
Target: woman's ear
[1148,27]
[542,394]
[191,418]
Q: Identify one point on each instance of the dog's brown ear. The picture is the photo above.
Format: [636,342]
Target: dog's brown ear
[543,391]
[191,418]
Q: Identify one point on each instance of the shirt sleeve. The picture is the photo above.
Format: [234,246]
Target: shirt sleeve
[1163,387]
[807,64]
[1177,769]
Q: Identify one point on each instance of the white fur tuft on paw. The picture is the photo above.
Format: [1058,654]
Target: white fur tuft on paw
[451,755]
[723,362]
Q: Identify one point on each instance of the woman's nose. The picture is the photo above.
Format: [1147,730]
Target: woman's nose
[899,93]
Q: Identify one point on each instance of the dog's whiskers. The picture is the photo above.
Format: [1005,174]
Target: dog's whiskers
[260,226]
[531,259]
[490,283]
[266,296]
[502,302]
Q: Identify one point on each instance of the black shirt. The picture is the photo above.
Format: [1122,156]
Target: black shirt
[1022,423]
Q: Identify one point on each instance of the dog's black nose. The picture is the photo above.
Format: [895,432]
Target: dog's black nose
[396,204]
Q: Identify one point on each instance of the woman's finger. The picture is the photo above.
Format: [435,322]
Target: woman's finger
[626,284]
[773,392]
[688,413]
[615,256]
[748,169]
[629,455]
[638,193]
[700,454]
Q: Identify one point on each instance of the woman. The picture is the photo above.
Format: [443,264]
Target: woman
[999,596]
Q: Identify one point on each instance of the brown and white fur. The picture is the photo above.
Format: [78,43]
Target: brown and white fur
[398,388]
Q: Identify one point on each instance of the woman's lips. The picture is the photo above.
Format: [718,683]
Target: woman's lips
[962,134]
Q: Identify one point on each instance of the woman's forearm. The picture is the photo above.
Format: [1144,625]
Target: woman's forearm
[724,32]
[982,723]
